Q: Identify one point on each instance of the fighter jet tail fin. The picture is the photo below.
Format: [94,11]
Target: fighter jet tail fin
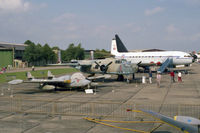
[29,76]
[50,75]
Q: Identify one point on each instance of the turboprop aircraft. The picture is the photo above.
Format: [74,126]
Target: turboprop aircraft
[76,80]
[118,67]
[149,58]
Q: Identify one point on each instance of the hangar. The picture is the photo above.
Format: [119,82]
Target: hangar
[11,54]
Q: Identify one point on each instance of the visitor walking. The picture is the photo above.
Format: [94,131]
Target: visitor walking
[150,77]
[158,77]
[172,76]
[179,77]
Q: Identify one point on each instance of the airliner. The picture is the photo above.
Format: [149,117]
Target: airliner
[149,58]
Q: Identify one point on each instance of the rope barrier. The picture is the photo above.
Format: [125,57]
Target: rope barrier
[122,128]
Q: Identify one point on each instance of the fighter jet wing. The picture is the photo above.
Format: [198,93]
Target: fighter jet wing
[106,76]
[184,127]
[123,73]
[46,81]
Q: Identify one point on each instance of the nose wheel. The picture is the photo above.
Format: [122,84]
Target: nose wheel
[89,86]
[127,80]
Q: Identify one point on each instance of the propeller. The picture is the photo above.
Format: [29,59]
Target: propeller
[194,57]
[97,64]
[139,63]
[103,67]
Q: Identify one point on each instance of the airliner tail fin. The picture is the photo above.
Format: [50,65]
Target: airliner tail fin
[117,46]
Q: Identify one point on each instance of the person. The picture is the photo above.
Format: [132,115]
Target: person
[3,69]
[33,68]
[172,76]
[150,77]
[158,77]
[179,77]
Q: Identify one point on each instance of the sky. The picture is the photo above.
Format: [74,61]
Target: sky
[141,24]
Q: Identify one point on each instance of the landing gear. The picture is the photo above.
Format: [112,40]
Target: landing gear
[133,76]
[41,85]
[91,75]
[89,86]
[120,78]
[127,80]
[55,89]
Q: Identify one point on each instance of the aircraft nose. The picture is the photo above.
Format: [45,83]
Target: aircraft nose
[88,82]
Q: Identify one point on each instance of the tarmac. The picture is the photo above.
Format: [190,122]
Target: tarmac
[25,108]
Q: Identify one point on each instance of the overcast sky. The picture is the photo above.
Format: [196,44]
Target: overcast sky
[141,24]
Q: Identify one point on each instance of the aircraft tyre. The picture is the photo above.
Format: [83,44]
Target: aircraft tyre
[133,76]
[120,78]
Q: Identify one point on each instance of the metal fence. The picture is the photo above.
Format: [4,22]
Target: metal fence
[95,109]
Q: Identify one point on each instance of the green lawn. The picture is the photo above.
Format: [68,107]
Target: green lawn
[5,77]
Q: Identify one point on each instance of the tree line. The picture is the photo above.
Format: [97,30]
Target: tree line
[38,55]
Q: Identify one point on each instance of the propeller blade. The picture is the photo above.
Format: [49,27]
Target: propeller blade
[105,68]
[97,64]
[194,57]
[139,63]
[109,64]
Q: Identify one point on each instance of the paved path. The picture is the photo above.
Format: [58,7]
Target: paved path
[166,100]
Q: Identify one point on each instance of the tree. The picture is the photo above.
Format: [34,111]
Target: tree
[101,54]
[47,54]
[28,42]
[79,52]
[73,52]
[38,54]
[30,53]
[55,48]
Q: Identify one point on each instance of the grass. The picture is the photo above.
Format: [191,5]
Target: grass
[5,77]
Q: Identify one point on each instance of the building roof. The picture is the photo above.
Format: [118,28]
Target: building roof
[12,45]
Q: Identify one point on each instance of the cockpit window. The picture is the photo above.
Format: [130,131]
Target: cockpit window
[121,61]
[187,55]
[118,61]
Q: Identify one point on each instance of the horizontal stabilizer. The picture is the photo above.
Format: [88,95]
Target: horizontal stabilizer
[16,81]
[106,76]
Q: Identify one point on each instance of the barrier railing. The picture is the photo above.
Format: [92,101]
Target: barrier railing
[98,109]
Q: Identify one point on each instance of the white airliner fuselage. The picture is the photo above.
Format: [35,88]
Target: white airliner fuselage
[152,58]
